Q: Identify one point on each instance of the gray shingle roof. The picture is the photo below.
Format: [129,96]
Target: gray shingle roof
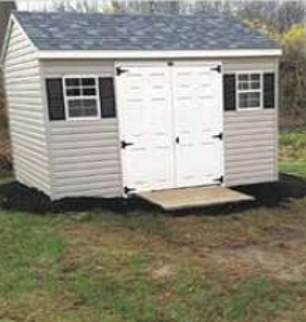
[73,31]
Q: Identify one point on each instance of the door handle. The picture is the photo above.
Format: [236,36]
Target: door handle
[177,140]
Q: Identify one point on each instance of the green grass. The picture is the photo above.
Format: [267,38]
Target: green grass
[293,153]
[297,168]
[294,139]
[115,268]
[28,246]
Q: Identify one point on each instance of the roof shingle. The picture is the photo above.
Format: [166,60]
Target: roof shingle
[75,31]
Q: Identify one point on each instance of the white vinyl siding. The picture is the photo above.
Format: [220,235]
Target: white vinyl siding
[250,147]
[251,137]
[85,159]
[84,155]
[25,111]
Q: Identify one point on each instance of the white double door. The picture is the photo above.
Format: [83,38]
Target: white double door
[169,121]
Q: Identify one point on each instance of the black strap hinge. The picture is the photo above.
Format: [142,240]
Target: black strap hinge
[219,180]
[218,136]
[217,69]
[120,70]
[128,190]
[124,144]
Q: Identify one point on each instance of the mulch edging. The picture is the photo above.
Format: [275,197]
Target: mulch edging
[17,197]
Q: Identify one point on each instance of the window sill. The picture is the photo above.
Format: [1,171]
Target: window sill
[76,119]
[249,109]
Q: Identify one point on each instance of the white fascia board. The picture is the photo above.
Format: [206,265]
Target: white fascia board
[131,54]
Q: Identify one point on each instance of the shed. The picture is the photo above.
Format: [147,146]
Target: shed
[109,105]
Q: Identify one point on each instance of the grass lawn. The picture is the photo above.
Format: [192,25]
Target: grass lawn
[102,266]
[293,153]
[243,264]
[294,167]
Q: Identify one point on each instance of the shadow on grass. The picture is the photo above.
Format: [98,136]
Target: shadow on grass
[17,197]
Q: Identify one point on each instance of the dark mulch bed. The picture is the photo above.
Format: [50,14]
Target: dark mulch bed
[15,196]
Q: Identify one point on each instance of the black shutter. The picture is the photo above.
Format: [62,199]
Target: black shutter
[229,92]
[107,97]
[269,90]
[56,105]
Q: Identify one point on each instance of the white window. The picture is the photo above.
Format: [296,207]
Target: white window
[81,97]
[249,90]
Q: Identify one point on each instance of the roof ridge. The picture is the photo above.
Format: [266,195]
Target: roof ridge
[122,14]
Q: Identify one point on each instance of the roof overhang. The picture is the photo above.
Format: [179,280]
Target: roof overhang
[139,54]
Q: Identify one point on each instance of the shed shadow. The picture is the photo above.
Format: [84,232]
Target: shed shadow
[17,197]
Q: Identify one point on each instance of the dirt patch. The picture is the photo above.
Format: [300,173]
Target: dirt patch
[94,247]
[163,273]
[273,245]
[285,233]
[286,262]
[41,305]
[281,254]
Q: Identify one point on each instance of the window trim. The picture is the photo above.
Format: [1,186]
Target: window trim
[96,97]
[239,91]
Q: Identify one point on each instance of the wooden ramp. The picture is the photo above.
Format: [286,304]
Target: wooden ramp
[175,199]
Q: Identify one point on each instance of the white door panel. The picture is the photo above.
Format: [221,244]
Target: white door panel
[145,119]
[198,117]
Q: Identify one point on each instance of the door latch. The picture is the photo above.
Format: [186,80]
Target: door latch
[128,190]
[218,136]
[219,180]
[120,70]
[217,69]
[124,144]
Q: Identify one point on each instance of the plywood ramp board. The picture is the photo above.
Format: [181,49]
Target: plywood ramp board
[175,199]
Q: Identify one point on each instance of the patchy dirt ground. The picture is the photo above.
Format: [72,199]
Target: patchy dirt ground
[275,250]
[284,263]
[266,242]
[242,262]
